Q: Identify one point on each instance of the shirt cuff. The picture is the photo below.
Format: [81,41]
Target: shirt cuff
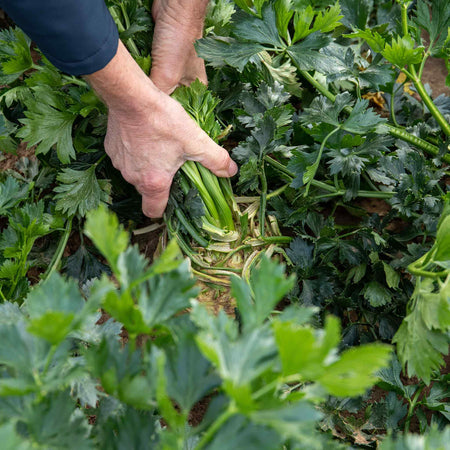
[94,62]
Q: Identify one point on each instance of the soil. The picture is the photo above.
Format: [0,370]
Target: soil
[8,161]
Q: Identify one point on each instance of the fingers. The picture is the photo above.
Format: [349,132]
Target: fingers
[163,81]
[155,196]
[213,157]
[167,79]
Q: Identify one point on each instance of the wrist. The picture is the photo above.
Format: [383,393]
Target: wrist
[122,85]
[190,12]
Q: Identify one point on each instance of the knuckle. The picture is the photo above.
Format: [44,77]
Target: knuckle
[155,184]
[223,158]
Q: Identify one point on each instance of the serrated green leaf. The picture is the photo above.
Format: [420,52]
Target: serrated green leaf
[15,55]
[284,13]
[123,309]
[419,348]
[376,294]
[189,375]
[46,127]
[11,193]
[239,359]
[392,276]
[302,23]
[56,421]
[7,142]
[435,20]
[443,241]
[80,191]
[355,371]
[268,285]
[123,373]
[356,13]
[167,295]
[109,237]
[323,110]
[373,39]
[220,52]
[53,306]
[328,20]
[356,274]
[289,421]
[362,119]
[306,53]
[240,433]
[53,326]
[390,378]
[218,15]
[263,30]
[401,52]
[304,350]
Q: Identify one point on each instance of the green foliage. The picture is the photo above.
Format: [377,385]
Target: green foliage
[358,209]
[80,191]
[48,126]
[439,24]
[434,440]
[402,53]
[15,54]
[423,339]
[189,356]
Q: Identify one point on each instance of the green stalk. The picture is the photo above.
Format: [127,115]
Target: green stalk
[190,228]
[57,256]
[263,201]
[392,106]
[440,119]
[191,171]
[415,78]
[393,130]
[319,157]
[326,187]
[214,428]
[412,407]
[225,185]
[129,42]
[277,239]
[212,185]
[416,141]
[322,89]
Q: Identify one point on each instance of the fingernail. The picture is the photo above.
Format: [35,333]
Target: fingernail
[232,168]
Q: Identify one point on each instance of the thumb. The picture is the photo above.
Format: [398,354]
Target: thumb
[213,157]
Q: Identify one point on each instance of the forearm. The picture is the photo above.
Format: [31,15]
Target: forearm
[122,84]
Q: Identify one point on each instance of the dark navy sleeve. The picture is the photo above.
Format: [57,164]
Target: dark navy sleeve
[77,36]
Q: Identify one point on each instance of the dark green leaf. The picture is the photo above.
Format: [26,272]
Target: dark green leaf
[80,191]
[45,127]
[219,52]
[376,294]
[258,30]
[306,53]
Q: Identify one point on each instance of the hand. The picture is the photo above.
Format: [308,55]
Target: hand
[149,146]
[178,24]
[149,134]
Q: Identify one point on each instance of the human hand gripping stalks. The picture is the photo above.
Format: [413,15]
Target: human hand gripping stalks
[222,234]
